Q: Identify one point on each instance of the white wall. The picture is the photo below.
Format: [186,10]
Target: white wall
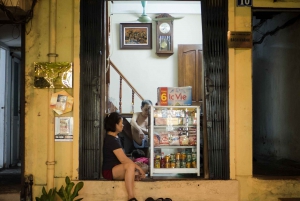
[188,7]
[143,68]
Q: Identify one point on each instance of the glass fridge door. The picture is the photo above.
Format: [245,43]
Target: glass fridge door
[175,140]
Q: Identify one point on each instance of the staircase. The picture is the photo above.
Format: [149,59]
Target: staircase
[126,135]
[110,106]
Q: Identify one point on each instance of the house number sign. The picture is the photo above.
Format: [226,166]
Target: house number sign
[242,3]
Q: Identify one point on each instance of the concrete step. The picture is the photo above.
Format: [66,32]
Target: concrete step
[10,197]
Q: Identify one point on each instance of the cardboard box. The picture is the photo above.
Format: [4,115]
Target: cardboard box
[174,96]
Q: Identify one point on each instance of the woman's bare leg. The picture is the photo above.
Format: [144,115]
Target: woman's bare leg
[127,172]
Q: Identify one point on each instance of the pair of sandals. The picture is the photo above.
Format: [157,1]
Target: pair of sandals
[159,199]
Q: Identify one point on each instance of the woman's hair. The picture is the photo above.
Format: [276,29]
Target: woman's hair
[111,120]
[144,102]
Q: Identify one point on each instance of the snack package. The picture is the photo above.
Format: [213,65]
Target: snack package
[156,140]
[184,140]
[164,138]
[193,139]
[174,138]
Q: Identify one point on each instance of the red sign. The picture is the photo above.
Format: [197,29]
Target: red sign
[163,96]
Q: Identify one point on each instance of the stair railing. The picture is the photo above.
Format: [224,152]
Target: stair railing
[134,91]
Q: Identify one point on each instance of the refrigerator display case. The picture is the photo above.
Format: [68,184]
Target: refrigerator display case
[174,140]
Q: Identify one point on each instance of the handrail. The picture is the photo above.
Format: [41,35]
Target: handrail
[123,77]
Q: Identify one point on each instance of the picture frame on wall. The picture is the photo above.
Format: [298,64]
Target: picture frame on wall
[135,36]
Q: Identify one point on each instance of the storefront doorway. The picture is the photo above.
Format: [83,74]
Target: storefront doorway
[276,92]
[93,82]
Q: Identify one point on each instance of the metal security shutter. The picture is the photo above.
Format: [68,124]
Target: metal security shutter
[215,58]
[92,72]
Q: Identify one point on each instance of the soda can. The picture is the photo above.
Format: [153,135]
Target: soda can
[189,157]
[173,164]
[167,158]
[183,164]
[183,156]
[157,163]
[177,156]
[194,155]
[177,164]
[194,164]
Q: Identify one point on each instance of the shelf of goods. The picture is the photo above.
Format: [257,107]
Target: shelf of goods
[174,140]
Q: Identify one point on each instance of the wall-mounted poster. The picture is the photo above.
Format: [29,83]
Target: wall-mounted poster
[63,128]
[61,102]
[52,75]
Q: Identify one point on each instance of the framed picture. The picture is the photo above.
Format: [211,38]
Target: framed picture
[136,36]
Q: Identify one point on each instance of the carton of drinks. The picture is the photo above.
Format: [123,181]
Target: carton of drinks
[174,96]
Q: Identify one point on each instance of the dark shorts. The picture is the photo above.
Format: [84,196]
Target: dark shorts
[107,174]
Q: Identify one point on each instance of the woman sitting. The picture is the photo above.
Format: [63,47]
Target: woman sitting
[116,165]
[139,123]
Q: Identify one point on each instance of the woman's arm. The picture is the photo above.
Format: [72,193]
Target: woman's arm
[121,156]
[133,122]
[137,130]
[145,131]
[124,159]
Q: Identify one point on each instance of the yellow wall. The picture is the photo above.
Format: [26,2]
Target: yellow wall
[39,119]
[240,108]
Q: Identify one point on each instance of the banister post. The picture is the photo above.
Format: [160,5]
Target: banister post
[120,96]
[132,102]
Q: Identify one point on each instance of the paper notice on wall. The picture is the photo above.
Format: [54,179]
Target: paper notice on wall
[63,129]
[61,102]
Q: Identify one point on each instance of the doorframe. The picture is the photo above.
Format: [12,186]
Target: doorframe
[15,143]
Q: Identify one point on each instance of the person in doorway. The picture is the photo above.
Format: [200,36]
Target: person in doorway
[139,123]
[116,165]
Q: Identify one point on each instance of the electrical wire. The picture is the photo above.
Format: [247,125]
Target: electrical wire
[270,33]
[24,19]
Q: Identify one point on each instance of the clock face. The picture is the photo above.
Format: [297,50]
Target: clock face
[164,27]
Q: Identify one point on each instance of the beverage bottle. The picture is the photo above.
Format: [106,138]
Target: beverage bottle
[162,161]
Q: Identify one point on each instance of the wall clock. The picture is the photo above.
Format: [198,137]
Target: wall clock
[164,36]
